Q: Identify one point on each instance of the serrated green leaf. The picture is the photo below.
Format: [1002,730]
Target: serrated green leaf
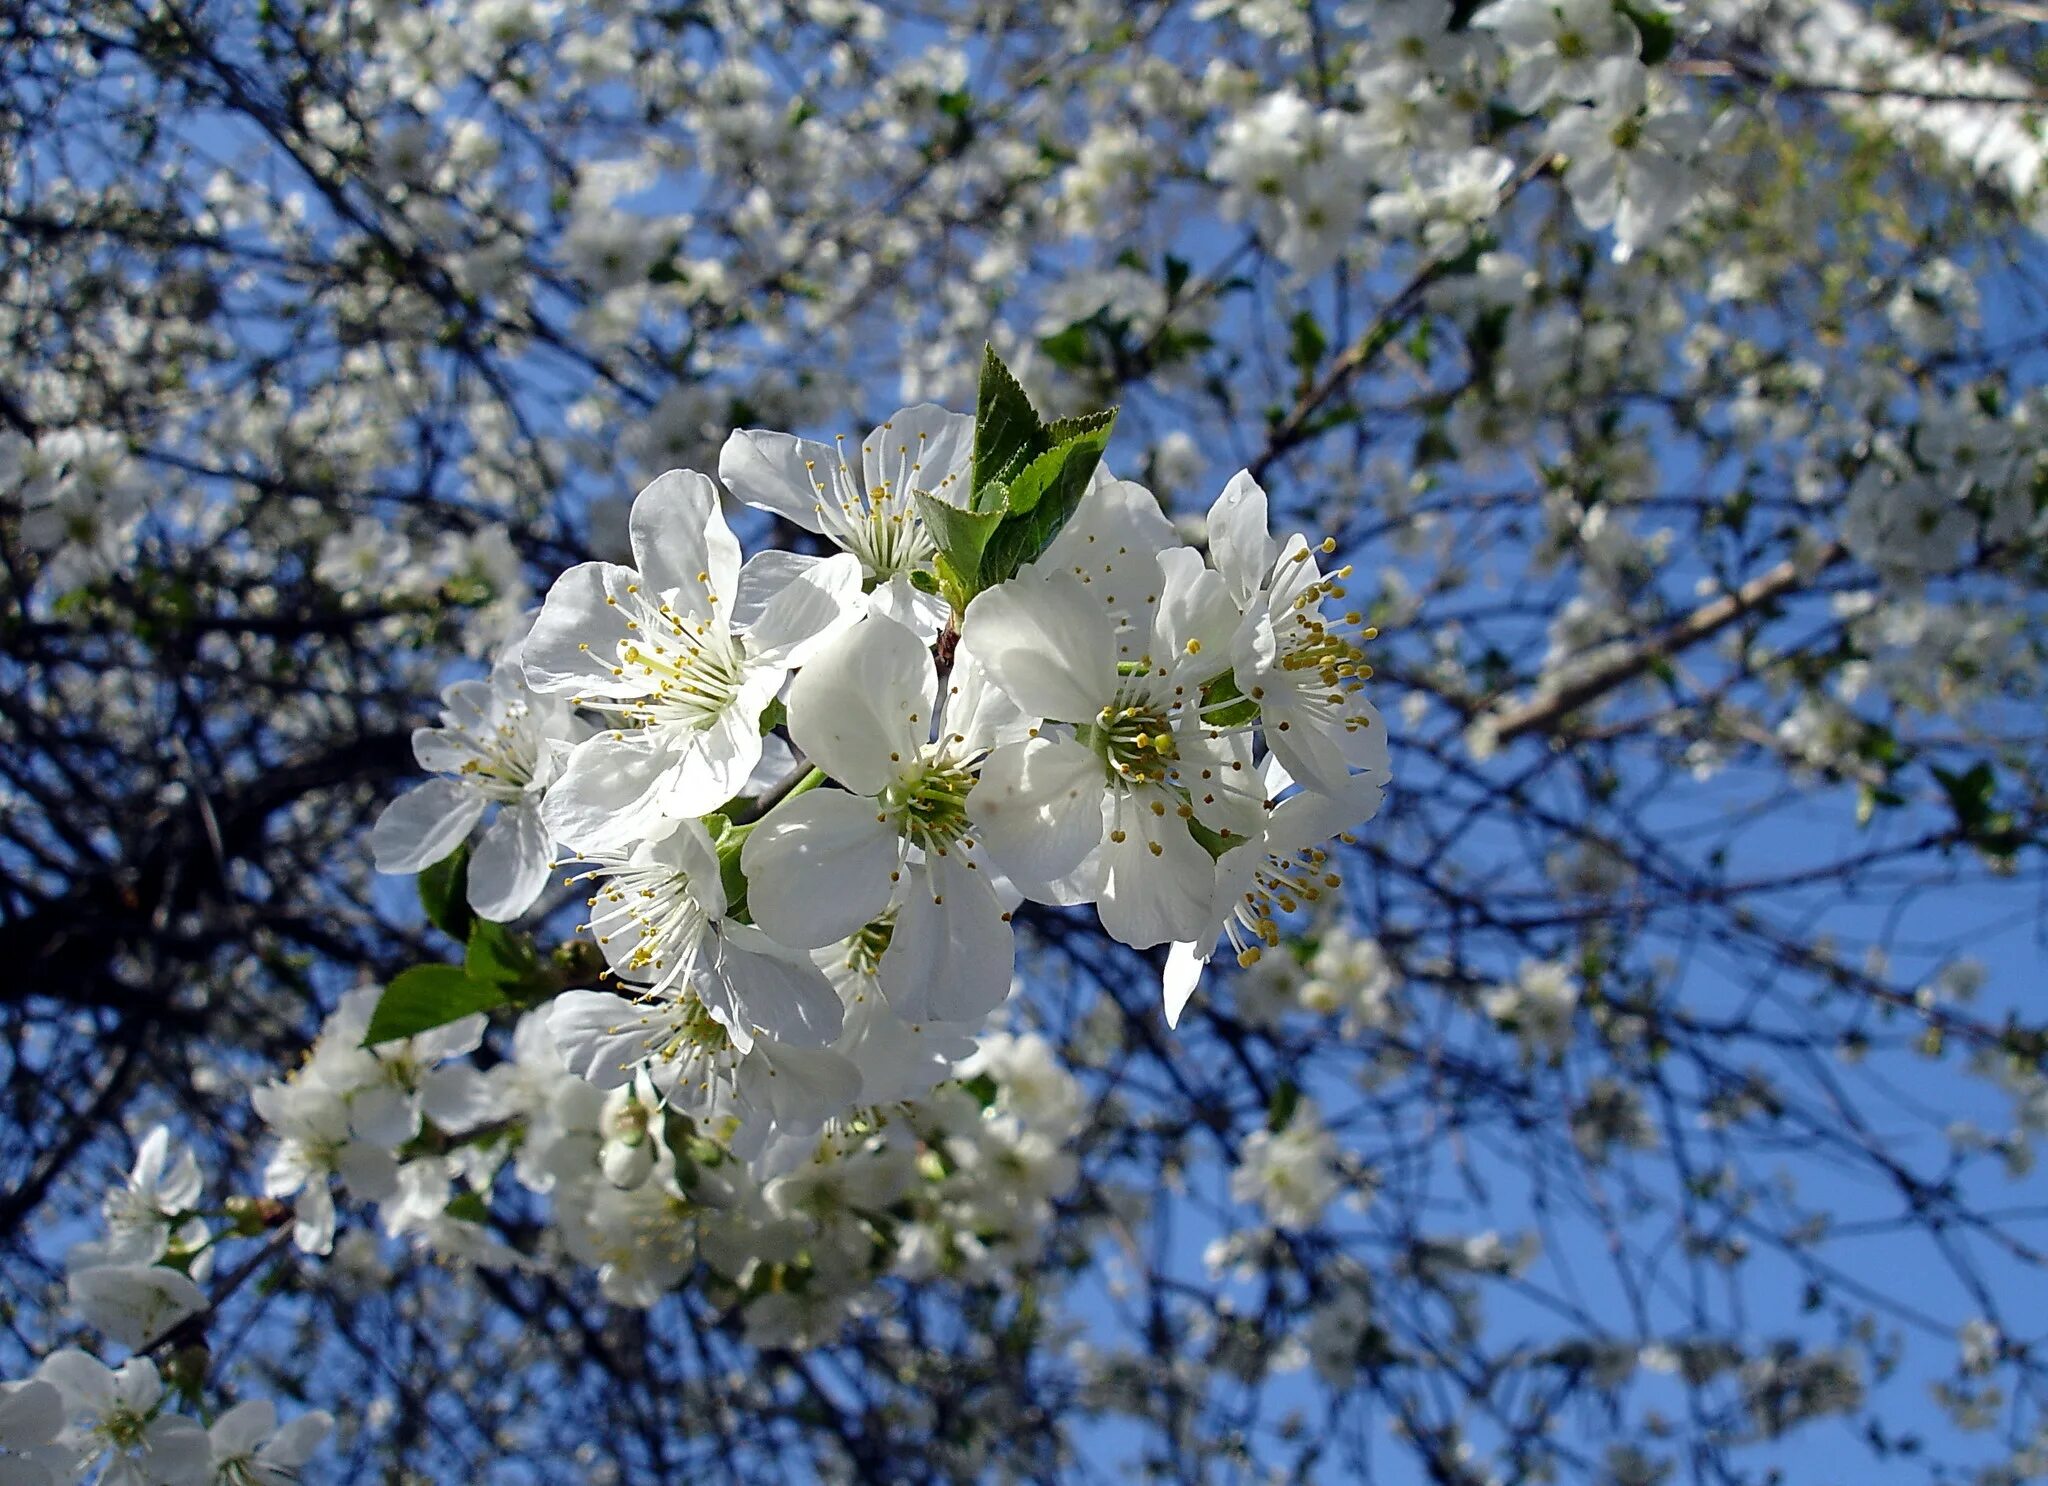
[1066,430]
[425,997]
[1040,501]
[444,894]
[1007,429]
[961,536]
[499,957]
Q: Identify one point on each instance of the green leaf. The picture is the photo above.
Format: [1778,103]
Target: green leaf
[444,894]
[1286,1100]
[425,997]
[1306,343]
[732,879]
[773,716]
[498,957]
[1658,31]
[469,1207]
[1007,430]
[1969,793]
[1067,430]
[961,537]
[1042,498]
[1225,706]
[1215,842]
[1072,349]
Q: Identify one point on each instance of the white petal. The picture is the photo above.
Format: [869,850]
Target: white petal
[1365,747]
[458,1097]
[608,795]
[1240,543]
[1303,745]
[135,1303]
[179,1452]
[313,1218]
[509,868]
[952,954]
[86,1382]
[150,1157]
[383,1114]
[424,824]
[978,714]
[862,708]
[1227,794]
[574,641]
[708,768]
[807,610]
[681,543]
[1084,883]
[926,448]
[31,1413]
[1306,817]
[1047,644]
[772,989]
[293,1445]
[602,1037]
[819,867]
[1038,809]
[803,1086]
[778,472]
[765,575]
[242,1428]
[1109,547]
[1196,616]
[1184,967]
[1154,896]
[923,614]
[1117,528]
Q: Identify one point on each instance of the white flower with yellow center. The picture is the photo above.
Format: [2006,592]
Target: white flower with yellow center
[686,1053]
[658,911]
[1282,870]
[658,649]
[868,510]
[1138,768]
[905,834]
[498,744]
[1304,668]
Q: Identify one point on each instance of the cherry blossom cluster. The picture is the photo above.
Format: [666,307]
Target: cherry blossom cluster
[635,1192]
[76,1418]
[806,795]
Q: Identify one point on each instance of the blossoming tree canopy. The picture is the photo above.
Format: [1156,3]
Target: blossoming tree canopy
[571,917]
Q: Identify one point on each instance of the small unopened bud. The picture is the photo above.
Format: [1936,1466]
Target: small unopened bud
[627,1163]
[252,1215]
[184,1370]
